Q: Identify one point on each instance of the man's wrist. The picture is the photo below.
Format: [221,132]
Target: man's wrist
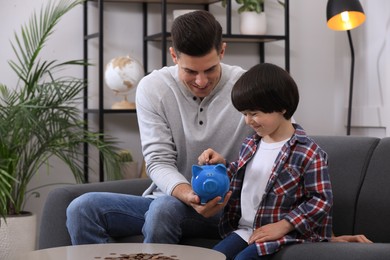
[181,192]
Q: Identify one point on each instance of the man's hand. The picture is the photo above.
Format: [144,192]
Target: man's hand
[271,232]
[210,156]
[212,207]
[350,238]
[185,193]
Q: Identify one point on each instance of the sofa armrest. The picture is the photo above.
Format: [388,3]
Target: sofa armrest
[53,231]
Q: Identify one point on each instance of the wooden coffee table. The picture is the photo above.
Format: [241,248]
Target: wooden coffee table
[124,251]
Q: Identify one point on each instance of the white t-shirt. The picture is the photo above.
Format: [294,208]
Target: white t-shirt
[256,177]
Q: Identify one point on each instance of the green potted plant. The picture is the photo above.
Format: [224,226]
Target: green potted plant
[252,16]
[250,5]
[40,119]
[39,116]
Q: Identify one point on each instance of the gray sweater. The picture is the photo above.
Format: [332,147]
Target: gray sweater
[176,127]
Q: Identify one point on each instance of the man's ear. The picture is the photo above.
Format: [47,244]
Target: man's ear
[173,55]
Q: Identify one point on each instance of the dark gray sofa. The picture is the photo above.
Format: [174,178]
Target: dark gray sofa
[360,173]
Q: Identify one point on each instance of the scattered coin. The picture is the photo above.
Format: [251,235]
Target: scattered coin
[159,256]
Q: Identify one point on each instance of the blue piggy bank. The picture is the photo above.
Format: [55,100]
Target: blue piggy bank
[210,181]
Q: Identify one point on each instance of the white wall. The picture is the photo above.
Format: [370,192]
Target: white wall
[320,63]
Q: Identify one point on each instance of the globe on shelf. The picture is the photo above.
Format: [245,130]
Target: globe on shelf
[122,75]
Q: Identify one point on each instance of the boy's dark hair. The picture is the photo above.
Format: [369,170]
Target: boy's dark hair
[196,33]
[266,88]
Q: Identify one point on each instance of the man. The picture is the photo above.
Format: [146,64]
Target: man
[181,110]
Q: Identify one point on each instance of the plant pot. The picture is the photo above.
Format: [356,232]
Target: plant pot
[253,23]
[130,170]
[18,235]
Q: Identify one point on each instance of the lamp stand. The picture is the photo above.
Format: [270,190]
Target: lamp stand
[350,83]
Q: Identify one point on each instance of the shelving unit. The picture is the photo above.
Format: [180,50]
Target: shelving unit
[163,37]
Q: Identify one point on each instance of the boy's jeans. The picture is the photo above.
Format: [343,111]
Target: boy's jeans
[234,247]
[99,217]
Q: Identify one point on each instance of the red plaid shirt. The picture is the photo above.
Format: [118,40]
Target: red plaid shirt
[298,190]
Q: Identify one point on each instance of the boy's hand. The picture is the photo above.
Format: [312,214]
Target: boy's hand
[271,232]
[210,156]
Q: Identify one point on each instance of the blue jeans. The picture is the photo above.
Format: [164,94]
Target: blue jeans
[234,247]
[99,217]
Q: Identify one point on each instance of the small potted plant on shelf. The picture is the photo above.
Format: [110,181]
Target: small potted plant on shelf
[252,16]
[40,119]
[129,167]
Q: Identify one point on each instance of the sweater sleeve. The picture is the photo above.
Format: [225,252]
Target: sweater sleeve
[157,142]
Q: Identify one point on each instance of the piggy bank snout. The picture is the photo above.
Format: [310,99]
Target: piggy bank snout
[210,186]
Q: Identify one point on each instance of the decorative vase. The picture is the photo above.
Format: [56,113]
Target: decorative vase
[130,170]
[253,23]
[18,235]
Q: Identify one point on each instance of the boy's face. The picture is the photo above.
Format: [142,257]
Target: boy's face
[273,127]
[199,74]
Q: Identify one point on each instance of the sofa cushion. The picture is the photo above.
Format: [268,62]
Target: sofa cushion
[373,208]
[348,161]
[53,231]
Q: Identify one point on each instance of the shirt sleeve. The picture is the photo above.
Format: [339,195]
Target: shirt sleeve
[317,189]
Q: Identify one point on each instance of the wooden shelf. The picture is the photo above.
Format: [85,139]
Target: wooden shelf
[163,36]
[229,38]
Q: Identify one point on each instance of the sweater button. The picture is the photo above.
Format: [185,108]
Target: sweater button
[201,122]
[201,109]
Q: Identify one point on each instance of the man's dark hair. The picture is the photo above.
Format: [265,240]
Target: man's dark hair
[266,88]
[196,33]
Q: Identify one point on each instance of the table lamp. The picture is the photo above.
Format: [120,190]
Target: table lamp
[345,15]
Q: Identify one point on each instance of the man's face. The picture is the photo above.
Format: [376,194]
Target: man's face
[199,74]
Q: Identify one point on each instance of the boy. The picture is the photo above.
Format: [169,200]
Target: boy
[280,186]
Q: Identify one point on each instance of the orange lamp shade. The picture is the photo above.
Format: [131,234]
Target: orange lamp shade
[344,15]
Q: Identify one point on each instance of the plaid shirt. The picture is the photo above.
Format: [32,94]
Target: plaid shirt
[298,190]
